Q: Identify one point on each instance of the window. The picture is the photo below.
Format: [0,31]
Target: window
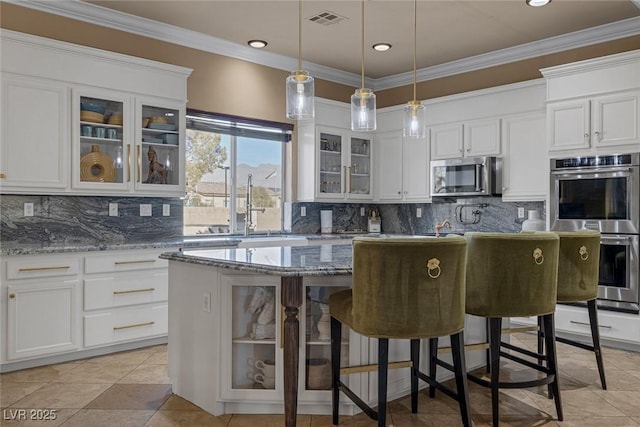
[232,164]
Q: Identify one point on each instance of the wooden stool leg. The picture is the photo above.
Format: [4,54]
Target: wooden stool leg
[460,368]
[550,344]
[336,338]
[487,351]
[415,362]
[541,351]
[595,336]
[383,368]
[495,335]
[433,366]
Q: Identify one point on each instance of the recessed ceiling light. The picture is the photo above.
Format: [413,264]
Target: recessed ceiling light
[381,47]
[538,3]
[258,44]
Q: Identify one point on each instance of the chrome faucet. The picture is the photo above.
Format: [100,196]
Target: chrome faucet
[445,224]
[248,221]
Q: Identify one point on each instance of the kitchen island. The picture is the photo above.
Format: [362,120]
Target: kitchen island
[217,336]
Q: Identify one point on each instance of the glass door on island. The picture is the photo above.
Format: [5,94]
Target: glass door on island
[159,148]
[331,173]
[317,326]
[101,155]
[253,337]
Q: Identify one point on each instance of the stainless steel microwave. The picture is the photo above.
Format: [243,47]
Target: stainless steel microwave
[465,177]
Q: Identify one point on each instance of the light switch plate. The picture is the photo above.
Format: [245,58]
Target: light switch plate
[166,210]
[520,212]
[145,210]
[28,209]
[113,209]
[303,211]
[361,211]
[206,302]
[418,212]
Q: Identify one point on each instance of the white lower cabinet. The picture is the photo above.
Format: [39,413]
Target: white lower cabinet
[59,304]
[42,318]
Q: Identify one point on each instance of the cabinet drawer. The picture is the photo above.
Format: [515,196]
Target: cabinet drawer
[123,262]
[29,268]
[612,326]
[125,324]
[124,289]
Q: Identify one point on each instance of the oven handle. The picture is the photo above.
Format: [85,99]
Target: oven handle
[567,174]
[616,240]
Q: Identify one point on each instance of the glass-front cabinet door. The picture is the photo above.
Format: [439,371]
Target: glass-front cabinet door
[102,139]
[331,167]
[359,168]
[160,143]
[251,333]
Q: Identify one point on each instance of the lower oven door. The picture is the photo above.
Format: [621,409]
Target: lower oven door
[618,279]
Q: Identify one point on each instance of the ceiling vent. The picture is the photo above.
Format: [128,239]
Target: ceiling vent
[327,18]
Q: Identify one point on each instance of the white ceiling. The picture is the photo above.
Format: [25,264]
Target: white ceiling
[449,32]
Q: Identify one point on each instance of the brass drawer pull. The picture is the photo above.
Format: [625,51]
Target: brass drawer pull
[61,267]
[137,325]
[133,291]
[12,296]
[142,261]
[588,324]
[2,175]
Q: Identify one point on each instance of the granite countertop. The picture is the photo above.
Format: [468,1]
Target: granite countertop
[314,260]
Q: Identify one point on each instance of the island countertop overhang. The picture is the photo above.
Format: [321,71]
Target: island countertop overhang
[314,260]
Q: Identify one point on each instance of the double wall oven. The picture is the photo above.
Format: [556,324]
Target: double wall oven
[602,193]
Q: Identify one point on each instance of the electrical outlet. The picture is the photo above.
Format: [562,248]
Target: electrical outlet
[303,211]
[145,210]
[520,212]
[166,210]
[206,302]
[28,209]
[361,211]
[113,209]
[418,212]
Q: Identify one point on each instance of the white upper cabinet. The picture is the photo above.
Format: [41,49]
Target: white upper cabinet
[469,139]
[72,120]
[592,106]
[34,148]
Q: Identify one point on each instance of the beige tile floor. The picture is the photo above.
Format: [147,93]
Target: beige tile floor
[132,389]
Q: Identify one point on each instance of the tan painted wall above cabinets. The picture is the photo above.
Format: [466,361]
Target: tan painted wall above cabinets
[500,75]
[218,83]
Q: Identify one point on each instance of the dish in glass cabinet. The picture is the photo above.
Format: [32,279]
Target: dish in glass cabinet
[162,126]
[90,116]
[96,166]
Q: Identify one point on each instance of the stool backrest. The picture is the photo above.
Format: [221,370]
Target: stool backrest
[578,265]
[408,287]
[511,274]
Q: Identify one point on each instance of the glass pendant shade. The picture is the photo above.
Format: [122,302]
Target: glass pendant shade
[413,120]
[363,110]
[300,102]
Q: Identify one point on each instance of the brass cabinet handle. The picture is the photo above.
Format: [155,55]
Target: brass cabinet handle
[12,296]
[2,175]
[139,164]
[133,291]
[128,162]
[61,267]
[136,325]
[141,261]
[588,324]
[350,180]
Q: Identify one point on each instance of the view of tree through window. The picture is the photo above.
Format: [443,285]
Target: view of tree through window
[220,156]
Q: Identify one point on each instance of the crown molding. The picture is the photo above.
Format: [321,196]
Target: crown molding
[98,15]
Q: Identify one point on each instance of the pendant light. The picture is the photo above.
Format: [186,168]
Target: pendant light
[300,102]
[413,119]
[363,101]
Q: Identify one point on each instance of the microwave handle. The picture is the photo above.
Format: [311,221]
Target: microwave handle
[478,177]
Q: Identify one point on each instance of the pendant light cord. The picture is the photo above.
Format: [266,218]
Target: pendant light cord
[362,44]
[299,34]
[415,37]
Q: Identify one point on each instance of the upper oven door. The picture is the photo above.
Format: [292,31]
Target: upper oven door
[604,199]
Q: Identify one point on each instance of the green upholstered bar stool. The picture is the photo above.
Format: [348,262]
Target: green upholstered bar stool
[514,275]
[578,272]
[403,288]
